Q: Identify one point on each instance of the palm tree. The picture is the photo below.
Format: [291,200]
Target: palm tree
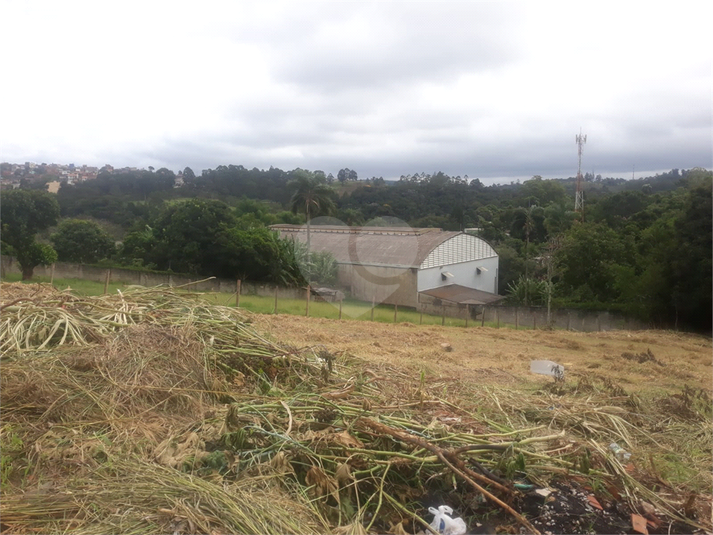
[311,197]
[525,222]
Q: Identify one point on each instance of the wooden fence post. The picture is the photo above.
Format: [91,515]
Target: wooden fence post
[482,320]
[497,317]
[275,311]
[237,294]
[52,275]
[569,321]
[396,311]
[443,315]
[308,296]
[373,304]
[340,308]
[467,313]
[534,321]
[517,319]
[106,281]
[420,318]
[599,322]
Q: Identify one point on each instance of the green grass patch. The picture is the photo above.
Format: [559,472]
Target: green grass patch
[351,309]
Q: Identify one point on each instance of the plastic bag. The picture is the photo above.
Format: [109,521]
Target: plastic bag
[620,453]
[443,523]
[547,367]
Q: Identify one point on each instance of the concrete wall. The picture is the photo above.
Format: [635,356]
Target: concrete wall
[533,317]
[436,307]
[464,274]
[67,270]
[563,318]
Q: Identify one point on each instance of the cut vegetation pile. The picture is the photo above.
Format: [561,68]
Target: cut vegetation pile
[153,411]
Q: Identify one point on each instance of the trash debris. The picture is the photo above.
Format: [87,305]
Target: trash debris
[620,453]
[543,492]
[638,522]
[446,346]
[547,367]
[594,502]
[443,523]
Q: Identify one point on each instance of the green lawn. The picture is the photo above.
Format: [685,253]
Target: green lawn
[351,309]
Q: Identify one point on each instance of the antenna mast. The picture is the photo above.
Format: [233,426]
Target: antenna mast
[578,199]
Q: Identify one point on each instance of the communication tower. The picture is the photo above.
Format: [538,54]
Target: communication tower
[578,199]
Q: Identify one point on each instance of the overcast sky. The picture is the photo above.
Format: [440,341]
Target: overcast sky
[494,90]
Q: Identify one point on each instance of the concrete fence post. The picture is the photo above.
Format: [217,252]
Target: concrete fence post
[106,281]
[396,311]
[340,308]
[443,315]
[237,293]
[482,319]
[373,304]
[308,297]
[275,310]
[51,275]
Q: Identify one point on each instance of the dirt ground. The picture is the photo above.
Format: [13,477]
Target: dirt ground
[636,360]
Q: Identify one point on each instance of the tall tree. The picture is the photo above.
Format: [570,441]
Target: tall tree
[693,260]
[525,222]
[310,196]
[23,214]
[188,174]
[82,241]
[185,235]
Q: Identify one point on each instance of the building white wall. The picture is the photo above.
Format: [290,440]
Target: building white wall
[464,273]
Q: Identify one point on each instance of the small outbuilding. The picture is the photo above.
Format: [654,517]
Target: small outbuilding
[405,266]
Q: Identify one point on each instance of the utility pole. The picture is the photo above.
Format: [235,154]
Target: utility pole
[578,199]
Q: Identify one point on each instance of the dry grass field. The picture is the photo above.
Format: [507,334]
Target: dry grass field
[489,356]
[153,411]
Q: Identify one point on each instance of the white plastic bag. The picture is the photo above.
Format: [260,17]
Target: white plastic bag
[547,367]
[444,524]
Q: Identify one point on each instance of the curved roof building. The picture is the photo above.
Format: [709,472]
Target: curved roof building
[396,264]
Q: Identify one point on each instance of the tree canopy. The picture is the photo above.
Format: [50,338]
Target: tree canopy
[82,241]
[23,214]
[642,246]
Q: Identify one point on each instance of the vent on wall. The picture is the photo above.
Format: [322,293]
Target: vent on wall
[480,270]
[445,275]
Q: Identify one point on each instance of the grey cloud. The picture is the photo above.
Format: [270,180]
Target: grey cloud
[411,42]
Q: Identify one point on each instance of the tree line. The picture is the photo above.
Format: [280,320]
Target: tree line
[641,246]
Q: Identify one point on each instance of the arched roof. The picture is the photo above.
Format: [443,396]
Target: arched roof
[391,246]
[459,248]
